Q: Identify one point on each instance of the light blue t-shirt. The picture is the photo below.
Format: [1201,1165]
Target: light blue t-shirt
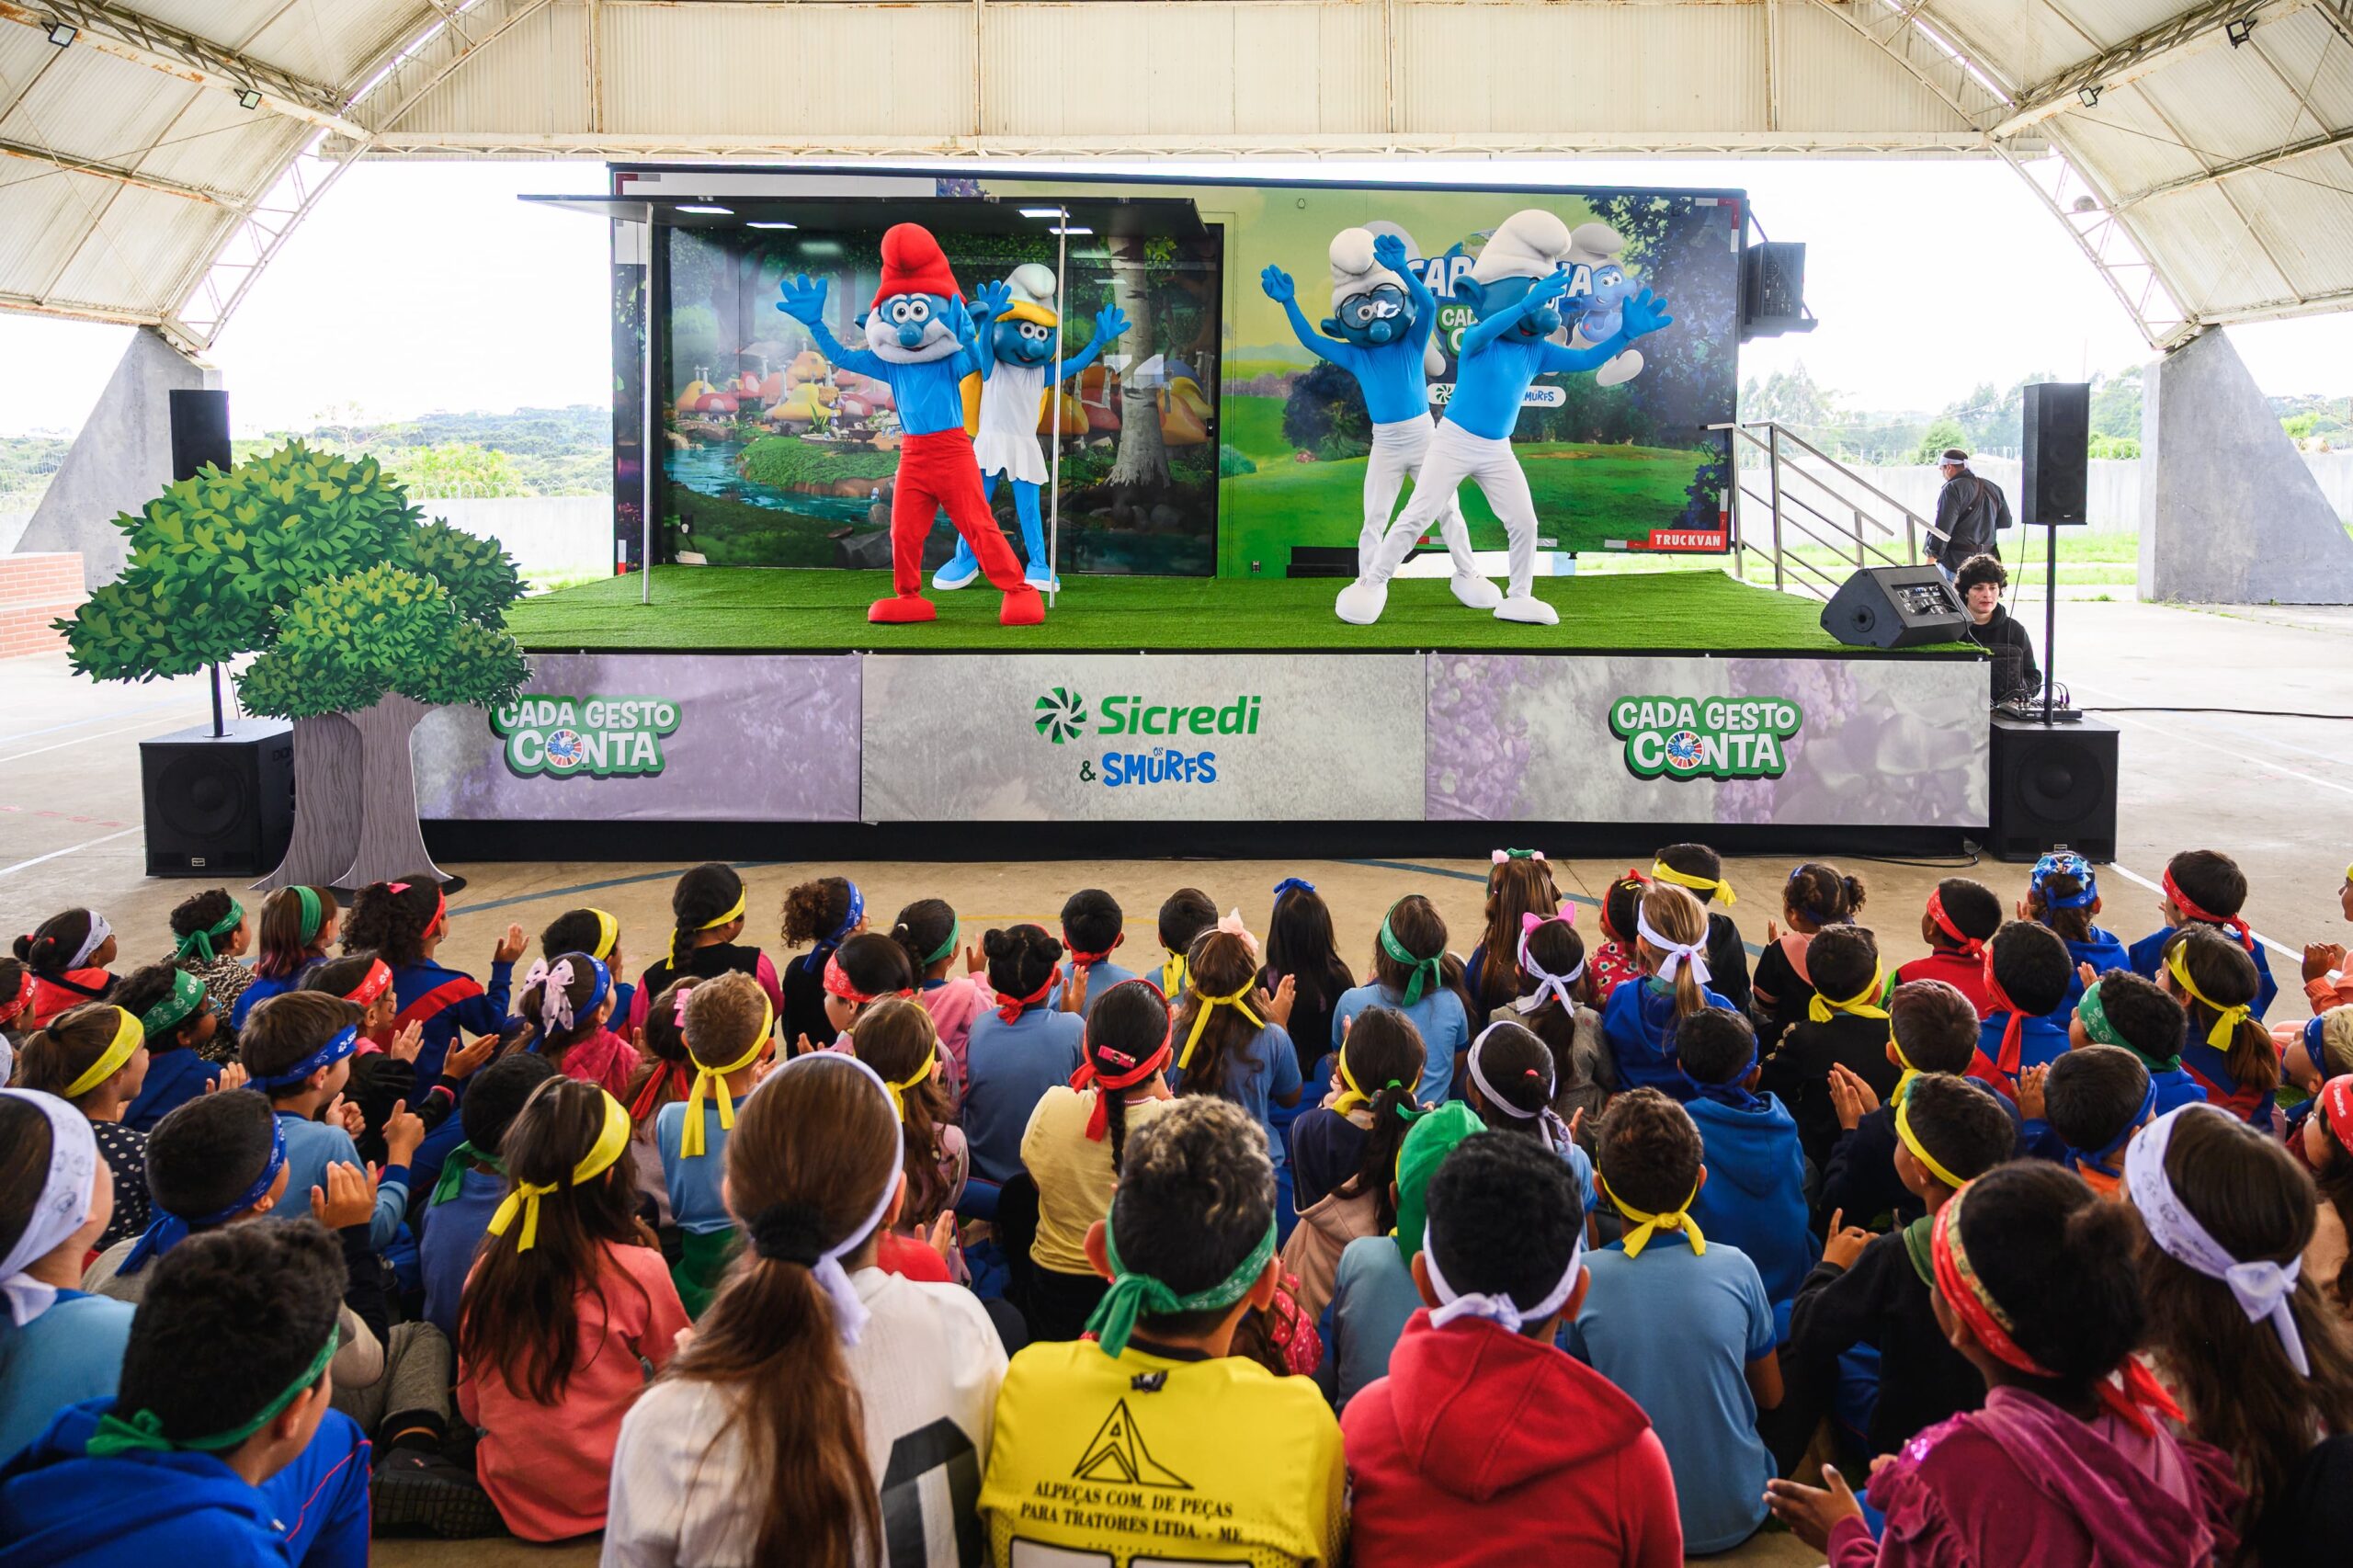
[693,1185]
[311,1148]
[445,1248]
[1100,978]
[1008,1068]
[70,1353]
[1372,1295]
[1445,1033]
[1677,1331]
[1269,1071]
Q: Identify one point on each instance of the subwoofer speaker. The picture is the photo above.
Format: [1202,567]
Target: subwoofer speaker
[218,806]
[2055,472]
[1895,606]
[2049,785]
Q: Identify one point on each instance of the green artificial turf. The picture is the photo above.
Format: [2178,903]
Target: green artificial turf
[752,609]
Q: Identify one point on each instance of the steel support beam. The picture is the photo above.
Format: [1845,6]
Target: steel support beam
[66,162]
[127,35]
[2143,54]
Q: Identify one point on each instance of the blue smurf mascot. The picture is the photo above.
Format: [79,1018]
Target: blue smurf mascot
[1514,286]
[1595,248]
[1013,383]
[1379,333]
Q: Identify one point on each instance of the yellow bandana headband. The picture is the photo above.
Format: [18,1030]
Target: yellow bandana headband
[1239,1000]
[691,1142]
[128,1036]
[734,911]
[607,928]
[1903,1083]
[2228,1023]
[1864,1004]
[1172,973]
[609,1145]
[1718,888]
[1649,1225]
[899,1090]
[1919,1150]
[1354,1095]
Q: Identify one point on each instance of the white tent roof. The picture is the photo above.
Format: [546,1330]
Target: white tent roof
[150,166]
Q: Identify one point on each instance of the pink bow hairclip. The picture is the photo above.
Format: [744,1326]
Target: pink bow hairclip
[1566,914]
[1232,926]
[684,992]
[1500,856]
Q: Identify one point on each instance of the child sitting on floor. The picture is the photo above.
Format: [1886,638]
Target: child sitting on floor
[1815,898]
[1519,884]
[209,934]
[2063,893]
[728,1034]
[383,1064]
[1666,1283]
[1700,868]
[2326,1150]
[2120,1008]
[180,1018]
[404,923]
[896,1039]
[219,1447]
[1092,929]
[825,1411]
[2084,1109]
[1301,948]
[1408,975]
[1372,1290]
[1184,914]
[1344,1152]
[1507,1080]
[1931,1028]
[598,934]
[1641,1018]
[1877,1290]
[1581,1478]
[297,1049]
[1614,962]
[1754,1197]
[2205,888]
[568,1001]
[820,916]
[1846,1027]
[859,974]
[1962,917]
[1188,1246]
[297,927]
[945,983]
[1555,1005]
[567,1303]
[2310,1054]
[2226,1048]
[93,1058]
[706,912]
[665,1072]
[2027,974]
[1018,1051]
[67,954]
[58,1347]
[473,1181]
[1229,1043]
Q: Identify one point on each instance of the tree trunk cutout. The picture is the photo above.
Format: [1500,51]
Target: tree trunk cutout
[1142,461]
[390,842]
[327,817]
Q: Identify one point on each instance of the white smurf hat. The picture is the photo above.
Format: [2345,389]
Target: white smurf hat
[1032,286]
[1354,271]
[1590,245]
[1531,243]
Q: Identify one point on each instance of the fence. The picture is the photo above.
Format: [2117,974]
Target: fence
[2113,491]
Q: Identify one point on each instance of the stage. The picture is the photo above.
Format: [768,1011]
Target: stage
[757,714]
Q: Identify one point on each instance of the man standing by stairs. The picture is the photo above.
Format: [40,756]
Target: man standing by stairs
[1970,509]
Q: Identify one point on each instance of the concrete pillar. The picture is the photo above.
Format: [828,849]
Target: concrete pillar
[121,461]
[2230,514]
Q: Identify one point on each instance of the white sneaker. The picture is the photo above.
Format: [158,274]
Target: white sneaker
[1527,609]
[959,573]
[1360,603]
[1477,593]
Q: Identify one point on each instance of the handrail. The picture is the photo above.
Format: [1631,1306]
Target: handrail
[1790,435]
[1785,455]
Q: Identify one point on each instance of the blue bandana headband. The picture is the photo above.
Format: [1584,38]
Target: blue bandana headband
[169,1229]
[1735,1092]
[2063,863]
[849,921]
[1292,884]
[2096,1159]
[326,1055]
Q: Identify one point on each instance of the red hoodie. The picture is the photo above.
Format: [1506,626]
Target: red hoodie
[1964,975]
[1485,1446]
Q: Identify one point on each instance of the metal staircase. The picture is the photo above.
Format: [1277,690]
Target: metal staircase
[1810,516]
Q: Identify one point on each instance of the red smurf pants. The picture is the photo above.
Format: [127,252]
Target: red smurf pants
[936,471]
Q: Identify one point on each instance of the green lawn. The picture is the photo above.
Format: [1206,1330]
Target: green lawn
[737,608]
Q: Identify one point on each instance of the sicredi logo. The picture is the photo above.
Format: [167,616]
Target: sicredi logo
[584,737]
[1715,737]
[1062,715]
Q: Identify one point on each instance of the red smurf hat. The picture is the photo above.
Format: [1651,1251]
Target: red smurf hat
[913,263]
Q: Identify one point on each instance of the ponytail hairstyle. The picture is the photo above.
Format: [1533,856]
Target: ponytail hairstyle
[1022,959]
[291,934]
[54,1059]
[1822,895]
[1384,1054]
[1555,948]
[520,1312]
[708,897]
[1421,932]
[1678,916]
[2045,903]
[1299,944]
[1127,1026]
[810,1154]
[898,1040]
[394,925]
[1220,965]
[1516,885]
[2243,1393]
[927,929]
[587,995]
[2224,977]
[816,913]
[664,1069]
[48,950]
[1619,903]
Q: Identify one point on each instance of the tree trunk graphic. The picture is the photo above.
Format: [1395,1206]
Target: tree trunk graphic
[391,843]
[326,818]
[1142,461]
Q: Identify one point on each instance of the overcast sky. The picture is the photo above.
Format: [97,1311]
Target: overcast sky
[418,287]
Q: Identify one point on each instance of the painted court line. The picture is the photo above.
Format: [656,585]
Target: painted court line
[60,854]
[2130,875]
[83,740]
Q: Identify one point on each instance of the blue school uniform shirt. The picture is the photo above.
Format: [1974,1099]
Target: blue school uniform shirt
[1372,1295]
[262,987]
[2041,1041]
[1100,978]
[1676,1330]
[1446,1033]
[2103,952]
[693,1185]
[311,1148]
[174,1078]
[2175,1088]
[1008,1068]
[444,1249]
[2147,955]
[2211,1069]
[477,1008]
[1755,1195]
[1270,1072]
[70,1353]
[1638,1022]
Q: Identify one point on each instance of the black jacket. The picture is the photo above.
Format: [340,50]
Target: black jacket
[1969,509]
[2012,652]
[1799,1071]
[1883,1302]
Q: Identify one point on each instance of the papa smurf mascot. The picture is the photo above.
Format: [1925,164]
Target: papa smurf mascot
[1378,332]
[922,340]
[1019,349]
[1516,287]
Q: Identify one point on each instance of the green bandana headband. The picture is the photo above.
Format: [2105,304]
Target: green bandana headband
[460,1160]
[1425,970]
[144,1433]
[1132,1296]
[2093,1013]
[944,950]
[309,899]
[201,942]
[186,996]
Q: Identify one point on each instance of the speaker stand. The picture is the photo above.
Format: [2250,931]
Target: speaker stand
[219,729]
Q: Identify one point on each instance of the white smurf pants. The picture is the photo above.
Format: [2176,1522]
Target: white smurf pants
[1453,455]
[1399,449]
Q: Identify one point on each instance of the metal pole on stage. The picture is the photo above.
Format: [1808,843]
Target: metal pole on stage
[1054,402]
[653,430]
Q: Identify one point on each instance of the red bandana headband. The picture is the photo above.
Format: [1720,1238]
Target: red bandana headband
[2336,1109]
[1970,946]
[379,976]
[1082,961]
[2013,1032]
[838,984]
[1633,874]
[1963,1291]
[1009,1008]
[440,901]
[2189,907]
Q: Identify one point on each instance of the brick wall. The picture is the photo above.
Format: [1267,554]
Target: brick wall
[35,590]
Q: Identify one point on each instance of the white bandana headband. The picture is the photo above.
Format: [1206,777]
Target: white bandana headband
[1674,955]
[1499,1309]
[99,932]
[1548,987]
[2263,1289]
[64,1204]
[1556,1131]
[849,1313]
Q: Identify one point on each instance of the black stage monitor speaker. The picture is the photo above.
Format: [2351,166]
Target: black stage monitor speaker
[219,807]
[2049,785]
[2052,487]
[1772,289]
[1895,606]
[200,434]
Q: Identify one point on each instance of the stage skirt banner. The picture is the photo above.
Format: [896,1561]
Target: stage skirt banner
[1788,741]
[1116,737]
[645,737]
